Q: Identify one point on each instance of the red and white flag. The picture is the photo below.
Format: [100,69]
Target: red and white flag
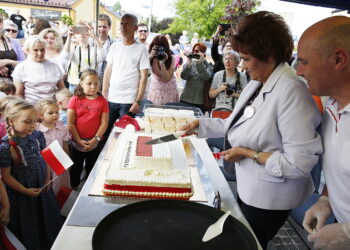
[55,156]
[66,198]
[8,240]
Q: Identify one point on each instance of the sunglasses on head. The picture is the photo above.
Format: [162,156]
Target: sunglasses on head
[143,31]
[10,30]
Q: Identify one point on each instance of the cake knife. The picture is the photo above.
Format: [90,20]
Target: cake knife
[166,138]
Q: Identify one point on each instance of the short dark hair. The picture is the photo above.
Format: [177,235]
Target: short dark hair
[104,17]
[133,17]
[264,34]
[142,25]
[40,25]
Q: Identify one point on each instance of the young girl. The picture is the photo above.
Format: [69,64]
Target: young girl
[62,97]
[3,102]
[54,130]
[34,214]
[87,122]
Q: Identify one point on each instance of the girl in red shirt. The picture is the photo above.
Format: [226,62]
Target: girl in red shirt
[87,122]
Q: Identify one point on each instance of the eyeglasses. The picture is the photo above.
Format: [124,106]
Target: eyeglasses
[10,30]
[143,31]
[196,51]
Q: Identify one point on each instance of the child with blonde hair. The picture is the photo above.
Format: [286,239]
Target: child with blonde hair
[53,129]
[62,97]
[34,216]
[3,102]
[88,113]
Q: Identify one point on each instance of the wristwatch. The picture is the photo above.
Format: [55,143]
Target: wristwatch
[98,138]
[138,102]
[256,155]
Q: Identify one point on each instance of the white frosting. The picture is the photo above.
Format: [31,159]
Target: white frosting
[168,167]
[160,159]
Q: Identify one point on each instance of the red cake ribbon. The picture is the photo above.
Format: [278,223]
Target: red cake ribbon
[126,120]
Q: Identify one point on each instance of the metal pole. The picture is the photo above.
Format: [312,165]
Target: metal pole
[97,13]
[150,18]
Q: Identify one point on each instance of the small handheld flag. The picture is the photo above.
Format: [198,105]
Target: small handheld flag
[55,156]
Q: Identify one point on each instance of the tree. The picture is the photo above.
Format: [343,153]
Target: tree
[3,13]
[117,7]
[67,20]
[161,25]
[238,9]
[201,16]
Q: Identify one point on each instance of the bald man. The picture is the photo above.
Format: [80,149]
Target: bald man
[324,61]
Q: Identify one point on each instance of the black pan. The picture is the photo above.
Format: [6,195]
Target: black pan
[168,225]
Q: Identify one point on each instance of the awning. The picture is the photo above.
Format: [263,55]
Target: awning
[337,4]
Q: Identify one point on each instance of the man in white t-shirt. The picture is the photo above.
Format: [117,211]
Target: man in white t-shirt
[126,73]
[324,61]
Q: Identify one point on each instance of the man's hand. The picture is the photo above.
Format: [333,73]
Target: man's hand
[316,216]
[334,236]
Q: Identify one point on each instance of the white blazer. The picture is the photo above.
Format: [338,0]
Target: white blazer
[284,123]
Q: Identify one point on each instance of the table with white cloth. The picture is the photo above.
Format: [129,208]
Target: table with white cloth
[89,210]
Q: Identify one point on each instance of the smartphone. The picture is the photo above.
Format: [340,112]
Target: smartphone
[225,27]
[80,29]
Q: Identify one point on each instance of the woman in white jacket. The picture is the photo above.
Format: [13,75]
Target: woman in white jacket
[270,137]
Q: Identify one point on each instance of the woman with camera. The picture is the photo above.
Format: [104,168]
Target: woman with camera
[87,55]
[196,72]
[270,137]
[163,88]
[11,53]
[227,85]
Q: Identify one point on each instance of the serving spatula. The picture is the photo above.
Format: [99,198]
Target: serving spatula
[216,228]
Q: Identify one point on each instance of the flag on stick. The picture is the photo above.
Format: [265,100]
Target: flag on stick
[55,156]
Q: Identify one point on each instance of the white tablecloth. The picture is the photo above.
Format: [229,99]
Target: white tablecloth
[80,237]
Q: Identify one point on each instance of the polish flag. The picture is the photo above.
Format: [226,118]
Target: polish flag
[66,198]
[9,241]
[55,156]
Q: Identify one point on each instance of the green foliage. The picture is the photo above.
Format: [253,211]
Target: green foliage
[67,20]
[117,7]
[3,13]
[201,16]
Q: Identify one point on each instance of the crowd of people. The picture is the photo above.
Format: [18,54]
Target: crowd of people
[71,85]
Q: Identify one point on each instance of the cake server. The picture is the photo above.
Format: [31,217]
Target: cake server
[216,228]
[166,138]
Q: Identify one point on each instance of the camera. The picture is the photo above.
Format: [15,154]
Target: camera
[81,29]
[233,88]
[161,54]
[193,56]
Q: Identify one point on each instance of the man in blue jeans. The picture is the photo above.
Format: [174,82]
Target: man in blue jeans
[125,77]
